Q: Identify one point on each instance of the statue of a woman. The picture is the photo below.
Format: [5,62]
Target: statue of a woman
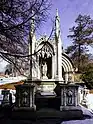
[45,70]
[69,94]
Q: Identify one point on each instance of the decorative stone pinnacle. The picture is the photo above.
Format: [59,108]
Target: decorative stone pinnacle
[57,13]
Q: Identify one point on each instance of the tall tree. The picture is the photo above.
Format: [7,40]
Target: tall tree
[82,35]
[87,76]
[15,17]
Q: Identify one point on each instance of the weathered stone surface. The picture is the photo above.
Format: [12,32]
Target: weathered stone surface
[25,96]
[69,97]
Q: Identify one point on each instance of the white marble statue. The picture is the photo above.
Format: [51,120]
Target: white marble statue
[45,71]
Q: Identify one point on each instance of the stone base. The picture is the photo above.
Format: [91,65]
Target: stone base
[45,77]
[62,108]
[46,113]
[25,108]
[47,86]
[24,113]
[72,112]
[59,79]
[64,115]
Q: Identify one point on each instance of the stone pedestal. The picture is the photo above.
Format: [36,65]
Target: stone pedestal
[6,100]
[25,96]
[69,97]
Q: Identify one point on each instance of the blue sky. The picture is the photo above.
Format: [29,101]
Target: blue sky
[68,12]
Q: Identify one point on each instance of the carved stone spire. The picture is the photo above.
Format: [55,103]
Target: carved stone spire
[32,41]
[58,47]
[32,34]
[57,26]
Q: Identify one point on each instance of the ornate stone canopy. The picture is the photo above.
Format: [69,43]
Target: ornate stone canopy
[51,61]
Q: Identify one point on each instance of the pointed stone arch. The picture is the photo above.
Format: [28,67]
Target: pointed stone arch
[46,47]
[45,54]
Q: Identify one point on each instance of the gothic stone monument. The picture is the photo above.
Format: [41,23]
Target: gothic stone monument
[49,65]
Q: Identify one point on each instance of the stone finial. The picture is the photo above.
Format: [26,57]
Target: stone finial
[57,13]
[57,25]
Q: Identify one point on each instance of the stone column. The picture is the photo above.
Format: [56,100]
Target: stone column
[55,63]
[53,67]
[58,47]
[70,77]
[76,97]
[62,100]
[59,60]
[64,92]
[66,77]
[38,70]
[32,99]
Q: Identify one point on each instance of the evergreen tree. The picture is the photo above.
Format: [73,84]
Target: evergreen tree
[87,76]
[82,35]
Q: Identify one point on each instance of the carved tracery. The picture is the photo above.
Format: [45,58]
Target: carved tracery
[45,59]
